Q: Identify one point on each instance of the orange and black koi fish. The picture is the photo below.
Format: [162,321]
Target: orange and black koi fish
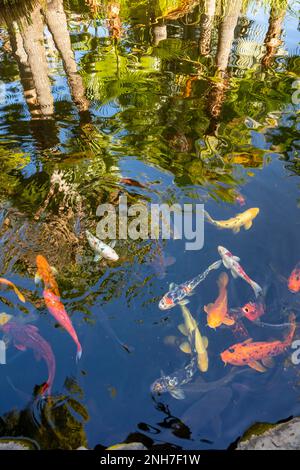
[250,353]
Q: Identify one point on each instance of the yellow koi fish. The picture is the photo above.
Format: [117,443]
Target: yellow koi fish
[244,219]
[12,285]
[195,341]
[217,312]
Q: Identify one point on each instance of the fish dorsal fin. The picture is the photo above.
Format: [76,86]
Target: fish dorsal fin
[205,342]
[112,244]
[185,347]
[247,341]
[37,278]
[182,328]
[236,258]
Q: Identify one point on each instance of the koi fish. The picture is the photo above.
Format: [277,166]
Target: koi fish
[131,182]
[159,261]
[177,293]
[57,309]
[191,330]
[4,318]
[232,262]
[28,337]
[173,383]
[217,312]
[244,219]
[253,310]
[251,353]
[46,273]
[294,279]
[102,249]
[16,290]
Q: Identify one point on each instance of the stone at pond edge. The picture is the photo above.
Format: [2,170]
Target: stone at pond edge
[285,436]
[11,443]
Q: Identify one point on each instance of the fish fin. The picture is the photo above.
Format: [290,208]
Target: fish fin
[184,302]
[236,229]
[182,328]
[268,362]
[172,286]
[20,347]
[226,263]
[170,260]
[223,280]
[37,278]
[247,341]
[97,257]
[177,393]
[257,289]
[205,341]
[207,308]
[112,244]
[185,347]
[257,366]
[248,225]
[234,274]
[228,321]
[54,271]
[236,258]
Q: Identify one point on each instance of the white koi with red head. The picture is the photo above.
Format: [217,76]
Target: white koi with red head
[231,262]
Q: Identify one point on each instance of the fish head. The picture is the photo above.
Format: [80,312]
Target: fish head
[223,252]
[254,211]
[42,264]
[294,280]
[158,386]
[253,310]
[229,355]
[213,320]
[111,254]
[166,302]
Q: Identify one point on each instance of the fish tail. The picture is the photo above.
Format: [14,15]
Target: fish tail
[290,335]
[223,280]
[208,217]
[79,353]
[257,289]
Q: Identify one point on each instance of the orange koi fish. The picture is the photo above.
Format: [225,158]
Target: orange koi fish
[217,313]
[250,353]
[46,273]
[294,279]
[57,309]
[11,284]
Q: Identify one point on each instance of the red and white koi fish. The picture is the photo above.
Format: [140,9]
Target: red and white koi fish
[231,262]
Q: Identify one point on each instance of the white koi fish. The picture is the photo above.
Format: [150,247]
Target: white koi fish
[102,249]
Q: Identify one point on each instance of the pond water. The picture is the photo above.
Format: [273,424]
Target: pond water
[162,101]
